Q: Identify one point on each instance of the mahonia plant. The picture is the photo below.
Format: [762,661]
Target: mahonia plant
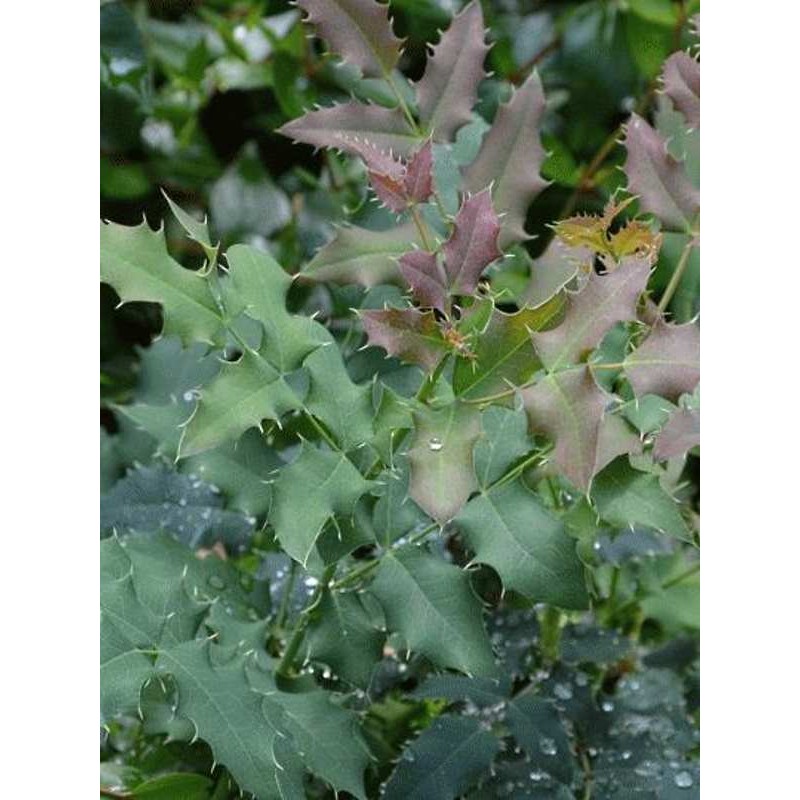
[343,522]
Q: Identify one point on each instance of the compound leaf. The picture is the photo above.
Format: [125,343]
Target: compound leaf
[358,255]
[625,496]
[357,30]
[503,352]
[411,335]
[681,78]
[448,90]
[432,605]
[153,499]
[667,363]
[567,407]
[262,284]
[245,393]
[134,260]
[332,397]
[444,761]
[341,635]
[658,179]
[345,125]
[307,493]
[442,475]
[510,158]
[509,529]
[604,301]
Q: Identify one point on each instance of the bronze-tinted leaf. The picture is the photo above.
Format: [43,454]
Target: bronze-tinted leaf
[348,125]
[419,174]
[615,438]
[681,78]
[442,472]
[425,276]
[510,158]
[449,88]
[411,335]
[667,363]
[357,30]
[568,407]
[679,435]
[606,300]
[659,180]
[472,245]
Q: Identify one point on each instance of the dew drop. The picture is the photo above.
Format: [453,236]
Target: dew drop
[310,582]
[563,691]
[607,706]
[547,746]
[683,780]
[435,444]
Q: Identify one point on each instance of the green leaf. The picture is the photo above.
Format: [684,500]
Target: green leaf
[240,469]
[153,499]
[504,439]
[226,712]
[535,724]
[567,407]
[509,529]
[510,158]
[448,90]
[394,514]
[177,786]
[357,30]
[341,634]
[135,261]
[329,739]
[411,335]
[444,761]
[503,351]
[245,393]
[262,285]
[198,231]
[139,612]
[333,398]
[358,255]
[432,605]
[308,492]
[442,474]
[604,301]
[625,496]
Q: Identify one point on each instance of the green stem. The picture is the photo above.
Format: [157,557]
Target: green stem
[517,470]
[283,611]
[321,431]
[421,227]
[675,280]
[550,621]
[296,639]
[402,102]
[693,570]
[426,390]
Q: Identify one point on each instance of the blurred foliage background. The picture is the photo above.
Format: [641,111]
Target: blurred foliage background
[192,92]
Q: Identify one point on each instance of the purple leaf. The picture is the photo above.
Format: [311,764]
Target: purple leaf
[659,180]
[425,277]
[567,407]
[449,88]
[472,245]
[377,160]
[679,435]
[389,191]
[510,158]
[419,174]
[357,30]
[667,363]
[411,335]
[606,300]
[615,438]
[348,125]
[681,78]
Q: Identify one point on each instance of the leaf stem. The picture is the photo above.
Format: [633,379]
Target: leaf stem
[283,611]
[675,280]
[421,227]
[694,569]
[429,384]
[402,102]
[296,639]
